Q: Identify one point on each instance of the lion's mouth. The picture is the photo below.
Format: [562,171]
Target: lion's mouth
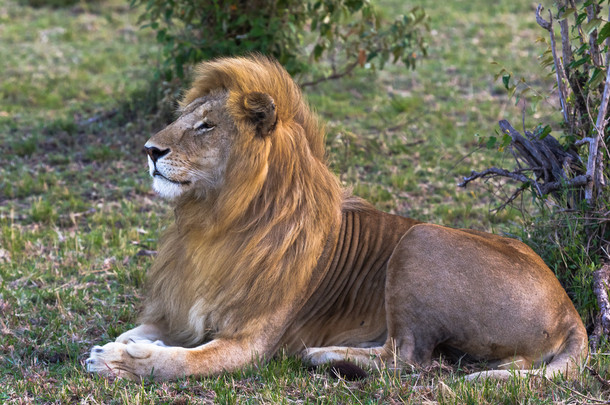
[158,173]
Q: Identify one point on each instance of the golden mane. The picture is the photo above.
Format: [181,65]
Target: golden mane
[258,73]
[257,239]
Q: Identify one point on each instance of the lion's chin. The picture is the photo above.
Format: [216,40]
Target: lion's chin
[167,189]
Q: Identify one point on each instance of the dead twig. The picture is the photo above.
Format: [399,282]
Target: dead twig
[605,383]
[546,158]
[494,172]
[100,117]
[333,76]
[580,394]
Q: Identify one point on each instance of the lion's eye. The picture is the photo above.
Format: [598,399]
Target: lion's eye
[203,126]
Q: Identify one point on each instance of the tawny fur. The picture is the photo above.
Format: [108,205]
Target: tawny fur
[273,213]
[268,251]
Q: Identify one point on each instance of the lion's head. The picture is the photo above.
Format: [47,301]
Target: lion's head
[235,104]
[192,152]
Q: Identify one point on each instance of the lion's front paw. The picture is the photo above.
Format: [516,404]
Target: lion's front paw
[137,360]
[121,360]
[106,360]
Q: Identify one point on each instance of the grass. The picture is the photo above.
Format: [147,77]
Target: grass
[78,219]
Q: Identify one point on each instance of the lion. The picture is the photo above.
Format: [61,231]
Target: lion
[269,252]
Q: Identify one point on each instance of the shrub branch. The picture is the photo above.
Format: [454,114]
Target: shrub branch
[545,158]
[574,177]
[562,78]
[595,164]
[601,284]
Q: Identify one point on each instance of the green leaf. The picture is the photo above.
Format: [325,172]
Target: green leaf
[579,62]
[371,55]
[491,142]
[497,75]
[542,132]
[603,33]
[596,77]
[548,61]
[566,13]
[506,139]
[506,80]
[592,25]
[317,51]
[521,94]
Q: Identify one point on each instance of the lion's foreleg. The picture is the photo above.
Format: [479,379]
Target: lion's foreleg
[141,360]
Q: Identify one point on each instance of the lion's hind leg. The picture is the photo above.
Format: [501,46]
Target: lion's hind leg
[374,357]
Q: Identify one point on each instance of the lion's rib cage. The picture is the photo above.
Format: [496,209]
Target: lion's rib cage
[349,300]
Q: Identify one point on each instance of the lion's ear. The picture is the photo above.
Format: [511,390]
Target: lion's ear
[259,109]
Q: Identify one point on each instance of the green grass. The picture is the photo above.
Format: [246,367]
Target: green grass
[77,216]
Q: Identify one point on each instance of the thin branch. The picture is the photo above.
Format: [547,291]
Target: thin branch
[100,117]
[601,283]
[577,181]
[512,198]
[333,76]
[519,139]
[605,383]
[596,57]
[582,141]
[578,27]
[566,47]
[562,79]
[542,189]
[594,163]
[494,172]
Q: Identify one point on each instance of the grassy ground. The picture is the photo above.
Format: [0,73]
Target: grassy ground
[78,219]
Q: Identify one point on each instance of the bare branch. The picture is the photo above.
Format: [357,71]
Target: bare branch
[578,27]
[512,198]
[595,162]
[605,383]
[562,79]
[601,283]
[494,172]
[546,157]
[542,189]
[582,141]
[333,76]
[547,25]
[566,47]
[596,57]
[577,181]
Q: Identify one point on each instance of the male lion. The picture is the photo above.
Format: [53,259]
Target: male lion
[268,252]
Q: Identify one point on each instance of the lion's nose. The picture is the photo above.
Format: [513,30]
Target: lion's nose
[155,153]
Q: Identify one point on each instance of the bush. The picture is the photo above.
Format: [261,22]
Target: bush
[295,32]
[568,176]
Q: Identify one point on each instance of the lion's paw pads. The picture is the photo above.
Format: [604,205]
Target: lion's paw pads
[102,358]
